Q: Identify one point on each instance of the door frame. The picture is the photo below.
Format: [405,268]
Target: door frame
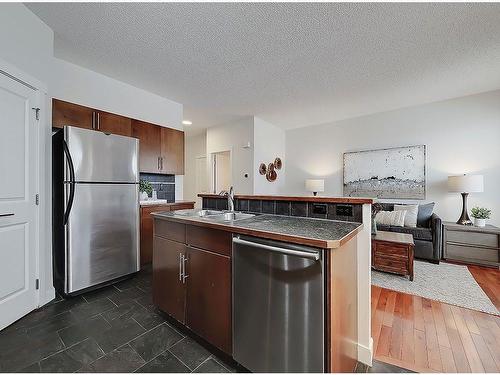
[43,183]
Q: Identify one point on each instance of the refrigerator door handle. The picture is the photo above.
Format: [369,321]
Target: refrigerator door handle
[71,182]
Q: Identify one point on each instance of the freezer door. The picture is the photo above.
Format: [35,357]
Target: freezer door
[102,234]
[100,157]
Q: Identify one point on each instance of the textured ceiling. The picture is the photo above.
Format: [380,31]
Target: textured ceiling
[290,64]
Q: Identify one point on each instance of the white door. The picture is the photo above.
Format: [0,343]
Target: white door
[18,212]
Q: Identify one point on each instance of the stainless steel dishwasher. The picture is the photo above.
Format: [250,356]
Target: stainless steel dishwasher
[278,306]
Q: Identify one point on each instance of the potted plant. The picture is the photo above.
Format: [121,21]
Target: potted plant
[480,214]
[145,189]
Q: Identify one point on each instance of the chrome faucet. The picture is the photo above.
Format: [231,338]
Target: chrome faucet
[230,199]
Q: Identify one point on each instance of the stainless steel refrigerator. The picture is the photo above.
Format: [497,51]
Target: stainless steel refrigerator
[95,208]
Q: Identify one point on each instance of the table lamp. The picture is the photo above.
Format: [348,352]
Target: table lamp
[465,184]
[315,186]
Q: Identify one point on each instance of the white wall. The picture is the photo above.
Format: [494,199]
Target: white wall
[269,143]
[462,136]
[195,147]
[234,137]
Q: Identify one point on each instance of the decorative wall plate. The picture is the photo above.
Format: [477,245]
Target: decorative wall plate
[271,175]
[270,167]
[277,163]
[262,169]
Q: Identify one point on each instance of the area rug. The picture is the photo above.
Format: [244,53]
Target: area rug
[444,282]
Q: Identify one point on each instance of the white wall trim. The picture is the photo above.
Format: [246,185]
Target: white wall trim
[365,353]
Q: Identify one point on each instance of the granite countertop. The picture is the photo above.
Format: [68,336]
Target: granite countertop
[161,202]
[321,233]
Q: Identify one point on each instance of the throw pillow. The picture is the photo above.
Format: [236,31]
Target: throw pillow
[392,218]
[424,214]
[411,214]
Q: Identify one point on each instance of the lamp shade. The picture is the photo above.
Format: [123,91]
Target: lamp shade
[315,185]
[466,184]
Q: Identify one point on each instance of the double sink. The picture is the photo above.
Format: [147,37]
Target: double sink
[214,215]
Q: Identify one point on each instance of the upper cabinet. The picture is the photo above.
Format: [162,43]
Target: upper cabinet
[172,151]
[114,124]
[64,113]
[161,149]
[149,146]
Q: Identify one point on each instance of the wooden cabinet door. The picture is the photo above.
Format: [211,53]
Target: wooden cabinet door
[64,113]
[208,297]
[114,124]
[172,151]
[146,253]
[149,145]
[169,293]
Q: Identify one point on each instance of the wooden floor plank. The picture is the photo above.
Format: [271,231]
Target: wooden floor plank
[418,313]
[408,344]
[397,329]
[447,359]
[483,351]
[489,338]
[384,341]
[389,308]
[379,318]
[420,349]
[440,324]
[431,340]
[469,347]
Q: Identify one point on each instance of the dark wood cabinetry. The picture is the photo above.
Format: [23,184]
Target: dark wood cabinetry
[64,113]
[114,124]
[161,149]
[172,151]
[193,284]
[147,227]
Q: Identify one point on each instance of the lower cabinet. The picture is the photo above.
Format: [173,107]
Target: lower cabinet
[193,285]
[208,297]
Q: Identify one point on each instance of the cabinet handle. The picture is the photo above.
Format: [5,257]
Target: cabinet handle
[184,276]
[181,262]
[98,121]
[161,162]
[93,120]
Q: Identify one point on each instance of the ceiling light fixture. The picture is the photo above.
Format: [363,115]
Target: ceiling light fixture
[187,122]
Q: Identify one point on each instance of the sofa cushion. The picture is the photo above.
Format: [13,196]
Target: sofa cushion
[425,214]
[424,234]
[392,218]
[411,213]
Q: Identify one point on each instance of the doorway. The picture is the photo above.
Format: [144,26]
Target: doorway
[221,171]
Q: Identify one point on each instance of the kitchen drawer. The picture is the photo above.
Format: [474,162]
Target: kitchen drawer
[181,206]
[215,240]
[170,230]
[393,249]
[472,238]
[469,253]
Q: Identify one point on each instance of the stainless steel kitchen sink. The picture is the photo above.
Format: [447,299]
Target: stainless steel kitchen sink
[197,213]
[229,216]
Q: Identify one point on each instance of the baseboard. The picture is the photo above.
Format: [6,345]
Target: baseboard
[365,354]
[48,296]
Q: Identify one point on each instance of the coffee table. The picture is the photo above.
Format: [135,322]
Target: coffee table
[393,252]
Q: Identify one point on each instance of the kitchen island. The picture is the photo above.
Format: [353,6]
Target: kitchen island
[203,277]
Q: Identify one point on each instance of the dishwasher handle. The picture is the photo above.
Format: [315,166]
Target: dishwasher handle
[276,249]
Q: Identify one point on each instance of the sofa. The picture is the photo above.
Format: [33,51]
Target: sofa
[427,235]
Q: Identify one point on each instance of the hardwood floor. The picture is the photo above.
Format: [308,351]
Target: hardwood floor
[430,336]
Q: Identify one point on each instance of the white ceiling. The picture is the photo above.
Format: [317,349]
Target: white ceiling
[290,64]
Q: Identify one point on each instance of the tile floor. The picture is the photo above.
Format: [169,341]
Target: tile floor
[115,329]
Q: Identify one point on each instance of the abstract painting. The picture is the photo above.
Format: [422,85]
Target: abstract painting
[397,173]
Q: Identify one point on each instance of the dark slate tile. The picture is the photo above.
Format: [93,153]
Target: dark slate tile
[255,206]
[317,210]
[126,296]
[60,362]
[211,203]
[146,301]
[298,209]
[11,340]
[93,308]
[119,311]
[32,369]
[211,366]
[222,204]
[156,341]
[123,359]
[126,284]
[82,330]
[268,207]
[283,208]
[190,352]
[361,368]
[164,363]
[382,367]
[242,204]
[122,331]
[147,318]
[53,324]
[100,293]
[35,349]
[85,352]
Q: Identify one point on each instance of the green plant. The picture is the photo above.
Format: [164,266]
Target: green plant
[145,187]
[480,213]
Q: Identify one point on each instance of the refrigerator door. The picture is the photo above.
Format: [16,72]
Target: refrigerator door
[100,157]
[102,234]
